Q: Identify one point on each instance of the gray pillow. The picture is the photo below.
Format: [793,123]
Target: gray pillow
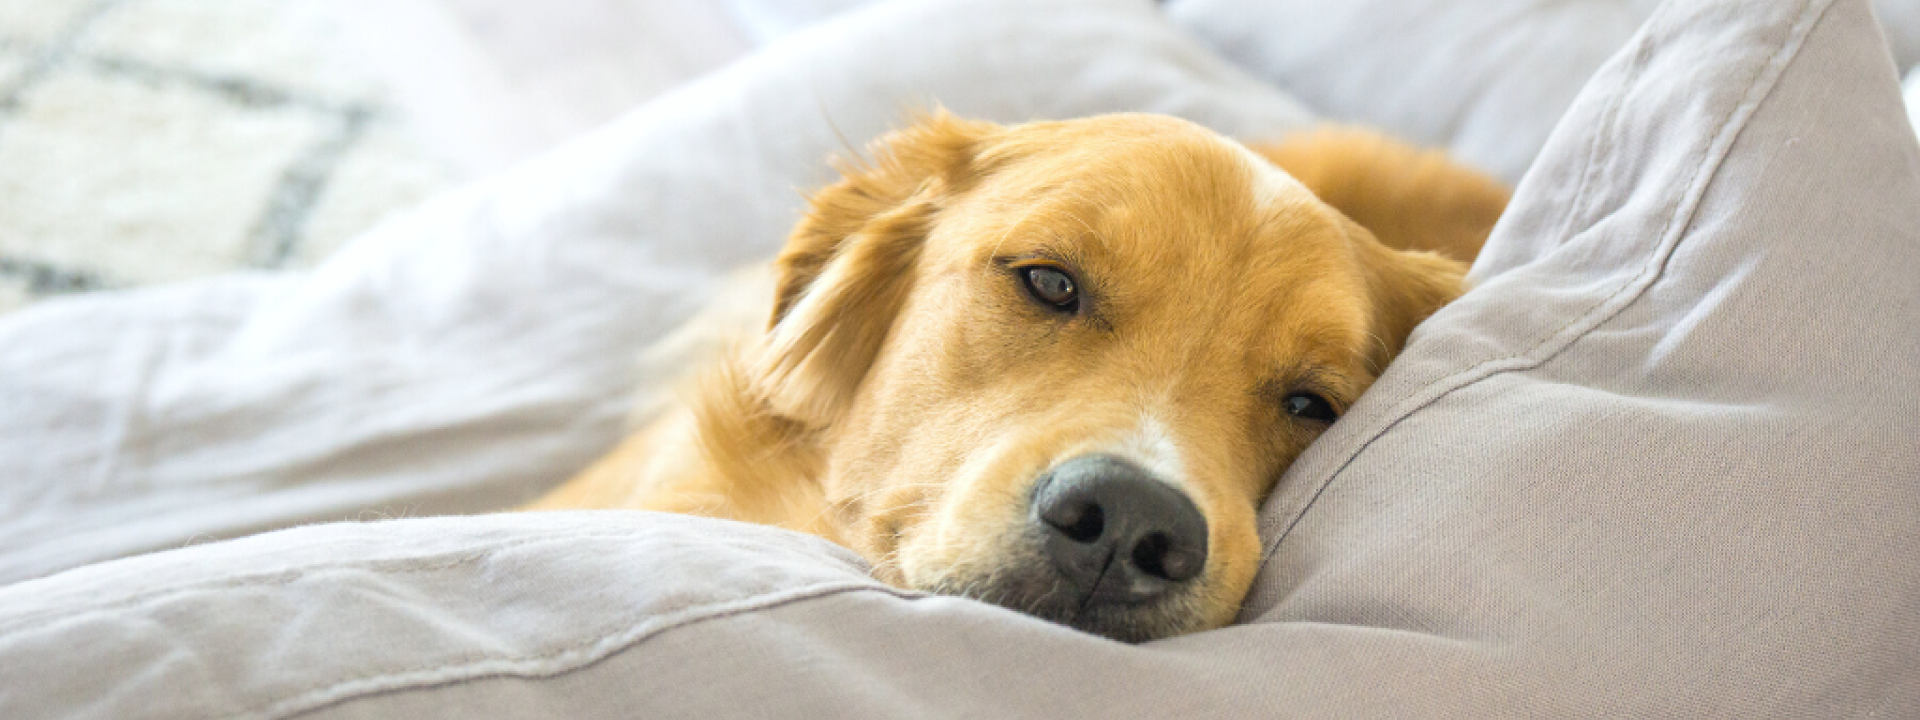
[1487,79]
[1659,463]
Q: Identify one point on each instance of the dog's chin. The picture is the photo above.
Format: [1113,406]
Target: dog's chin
[1049,599]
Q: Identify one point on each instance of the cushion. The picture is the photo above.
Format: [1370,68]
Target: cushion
[1901,20]
[467,357]
[1487,79]
[768,20]
[1913,99]
[1658,463]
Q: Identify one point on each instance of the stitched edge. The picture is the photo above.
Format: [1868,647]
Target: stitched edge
[599,645]
[553,663]
[1766,76]
[286,576]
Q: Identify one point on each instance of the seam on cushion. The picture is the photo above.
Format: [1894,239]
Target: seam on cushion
[551,663]
[275,578]
[1713,155]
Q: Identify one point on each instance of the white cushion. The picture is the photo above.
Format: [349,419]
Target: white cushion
[1913,99]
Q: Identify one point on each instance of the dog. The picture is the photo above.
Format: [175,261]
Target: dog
[1058,366]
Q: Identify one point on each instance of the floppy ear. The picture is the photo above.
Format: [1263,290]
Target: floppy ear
[850,262]
[1406,286]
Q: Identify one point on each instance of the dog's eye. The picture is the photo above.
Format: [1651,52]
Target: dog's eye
[1052,286]
[1309,406]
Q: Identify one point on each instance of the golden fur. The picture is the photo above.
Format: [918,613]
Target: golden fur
[908,390]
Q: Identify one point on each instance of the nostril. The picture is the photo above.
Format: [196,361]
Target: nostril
[1085,525]
[1155,555]
[1151,554]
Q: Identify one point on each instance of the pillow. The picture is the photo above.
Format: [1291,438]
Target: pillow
[1913,99]
[1901,20]
[1659,463]
[467,357]
[278,624]
[1487,79]
[765,21]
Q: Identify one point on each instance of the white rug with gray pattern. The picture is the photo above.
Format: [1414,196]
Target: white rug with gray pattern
[150,141]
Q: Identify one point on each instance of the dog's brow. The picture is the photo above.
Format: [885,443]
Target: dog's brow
[1011,229]
[1089,226]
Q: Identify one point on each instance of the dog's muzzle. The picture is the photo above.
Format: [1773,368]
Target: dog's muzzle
[1117,535]
[1113,551]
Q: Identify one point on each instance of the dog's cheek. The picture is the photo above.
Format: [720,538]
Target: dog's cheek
[923,562]
[887,528]
[1236,559]
[961,532]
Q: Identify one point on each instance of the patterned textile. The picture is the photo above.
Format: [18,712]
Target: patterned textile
[148,141]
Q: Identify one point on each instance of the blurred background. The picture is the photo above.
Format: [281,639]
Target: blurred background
[148,141]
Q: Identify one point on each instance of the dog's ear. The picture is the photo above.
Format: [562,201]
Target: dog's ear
[850,262]
[1405,286]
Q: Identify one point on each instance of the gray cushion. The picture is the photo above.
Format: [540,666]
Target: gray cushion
[1487,79]
[1659,463]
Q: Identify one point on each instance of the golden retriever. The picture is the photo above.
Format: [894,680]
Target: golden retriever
[1058,366]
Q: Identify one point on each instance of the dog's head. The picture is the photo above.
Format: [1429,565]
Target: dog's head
[1058,366]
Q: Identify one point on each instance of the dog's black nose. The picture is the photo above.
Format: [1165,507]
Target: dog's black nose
[1117,534]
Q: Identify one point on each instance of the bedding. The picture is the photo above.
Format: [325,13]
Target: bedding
[1658,463]
[1913,99]
[1901,21]
[1486,79]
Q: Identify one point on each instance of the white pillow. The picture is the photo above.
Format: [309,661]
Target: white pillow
[766,21]
[1913,99]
